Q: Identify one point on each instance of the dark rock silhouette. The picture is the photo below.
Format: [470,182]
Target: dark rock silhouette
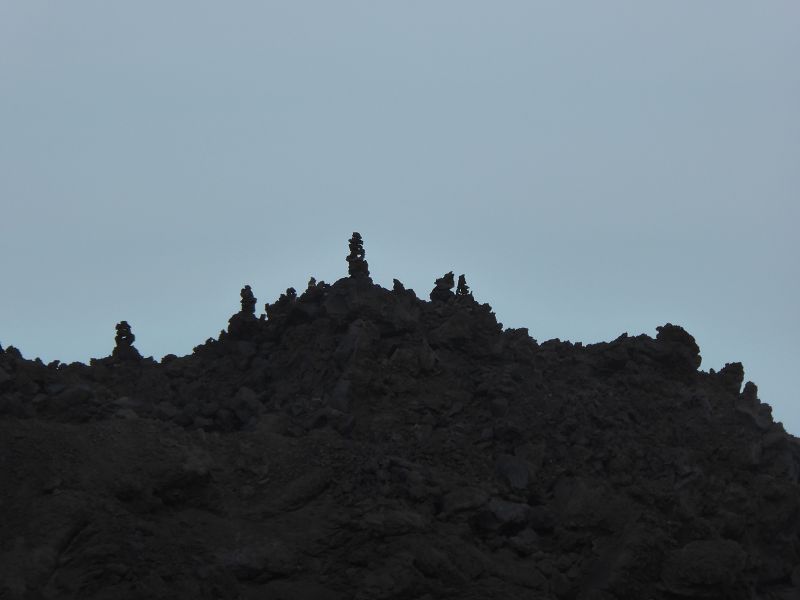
[248,301]
[444,288]
[360,443]
[124,337]
[680,349]
[462,290]
[357,264]
[399,289]
[124,349]
[732,376]
[240,325]
[282,306]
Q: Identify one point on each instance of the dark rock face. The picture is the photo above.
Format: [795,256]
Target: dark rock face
[358,442]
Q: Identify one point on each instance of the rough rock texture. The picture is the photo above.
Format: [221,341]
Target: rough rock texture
[361,443]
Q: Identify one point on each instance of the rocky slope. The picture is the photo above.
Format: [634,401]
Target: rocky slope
[358,442]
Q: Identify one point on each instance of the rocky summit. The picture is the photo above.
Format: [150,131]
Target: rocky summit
[355,442]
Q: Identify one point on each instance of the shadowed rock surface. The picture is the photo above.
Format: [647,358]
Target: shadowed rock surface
[357,442]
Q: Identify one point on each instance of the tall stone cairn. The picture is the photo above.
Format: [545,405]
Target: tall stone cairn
[124,337]
[463,289]
[356,264]
[248,301]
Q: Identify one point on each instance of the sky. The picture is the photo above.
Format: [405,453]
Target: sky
[593,168]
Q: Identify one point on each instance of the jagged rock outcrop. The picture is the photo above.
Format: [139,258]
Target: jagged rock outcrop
[359,442]
[444,288]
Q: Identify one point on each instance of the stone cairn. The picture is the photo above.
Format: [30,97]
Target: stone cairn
[462,290]
[248,301]
[239,325]
[356,264]
[124,349]
[444,288]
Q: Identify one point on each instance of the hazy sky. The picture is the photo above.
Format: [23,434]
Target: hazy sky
[593,168]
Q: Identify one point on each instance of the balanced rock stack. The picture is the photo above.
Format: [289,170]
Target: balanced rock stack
[444,288]
[124,349]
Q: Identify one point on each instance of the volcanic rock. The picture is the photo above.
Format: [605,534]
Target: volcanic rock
[444,288]
[124,349]
[358,442]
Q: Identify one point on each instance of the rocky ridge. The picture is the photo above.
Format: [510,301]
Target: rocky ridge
[359,442]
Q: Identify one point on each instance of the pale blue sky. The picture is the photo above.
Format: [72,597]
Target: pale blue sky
[593,167]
